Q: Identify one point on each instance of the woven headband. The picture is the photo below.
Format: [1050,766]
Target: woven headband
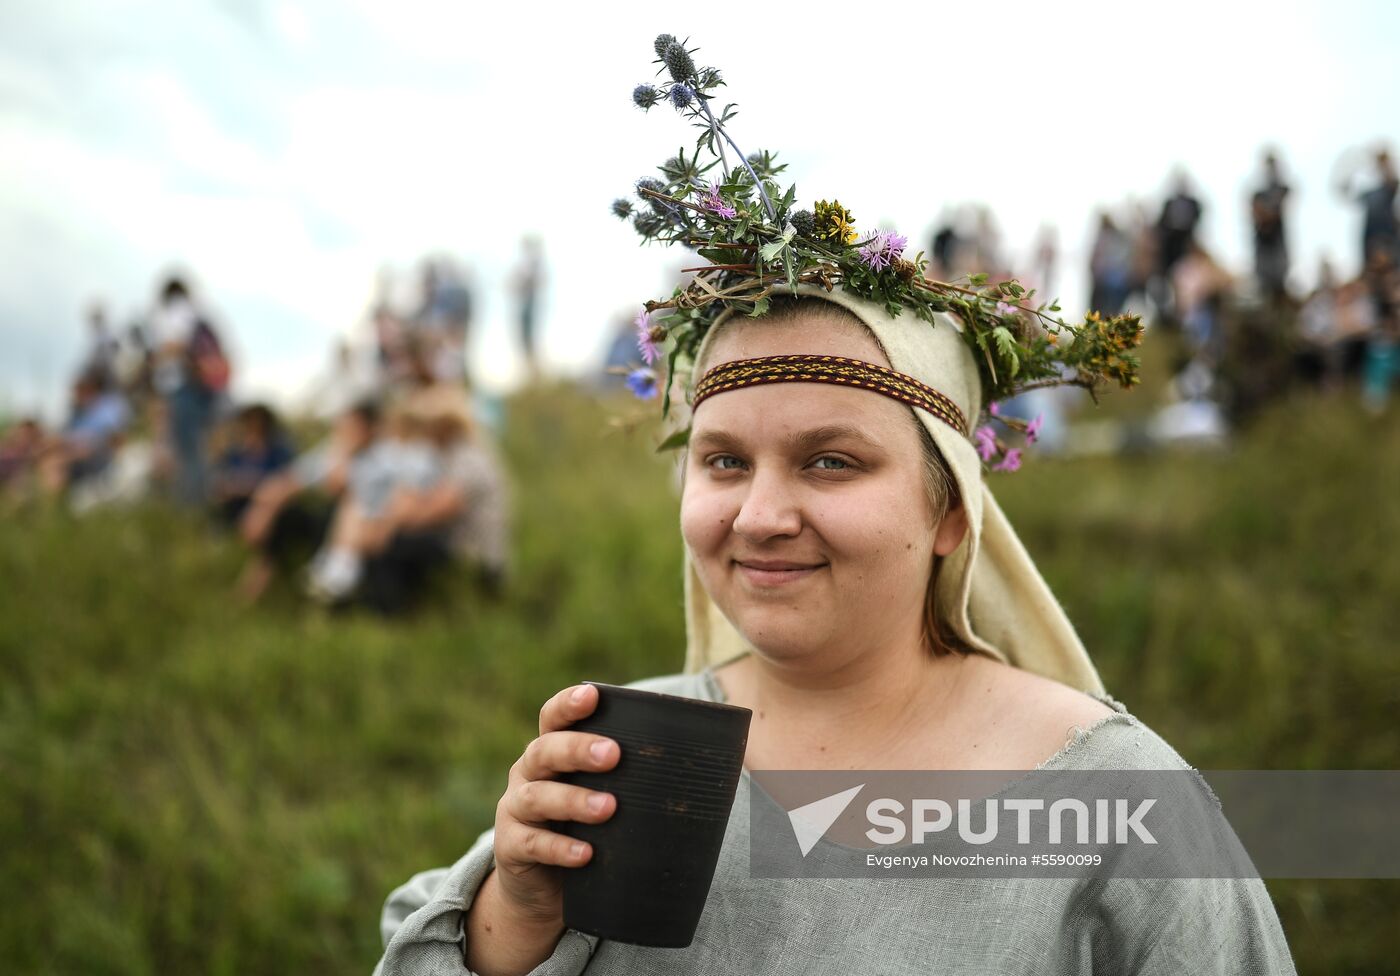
[741,373]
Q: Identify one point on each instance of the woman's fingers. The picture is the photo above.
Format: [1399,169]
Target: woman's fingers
[522,846]
[567,752]
[567,707]
[543,800]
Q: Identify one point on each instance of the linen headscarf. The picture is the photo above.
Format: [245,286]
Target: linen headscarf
[988,591]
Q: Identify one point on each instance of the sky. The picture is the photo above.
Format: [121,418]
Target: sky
[286,154]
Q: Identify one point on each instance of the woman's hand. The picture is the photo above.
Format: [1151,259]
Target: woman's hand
[518,915]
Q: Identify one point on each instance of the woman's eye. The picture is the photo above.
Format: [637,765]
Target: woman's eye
[836,464]
[722,462]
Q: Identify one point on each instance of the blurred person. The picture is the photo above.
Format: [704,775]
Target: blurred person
[191,373]
[1266,213]
[20,445]
[133,364]
[458,518]
[528,284]
[1045,261]
[85,447]
[1334,324]
[101,356]
[984,244]
[403,459]
[1382,362]
[1142,234]
[944,248]
[1200,285]
[1176,233]
[284,516]
[1380,230]
[258,449]
[1110,267]
[446,314]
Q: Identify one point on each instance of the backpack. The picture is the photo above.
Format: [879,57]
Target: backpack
[208,363]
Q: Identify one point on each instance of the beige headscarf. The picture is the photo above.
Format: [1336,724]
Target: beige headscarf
[988,591]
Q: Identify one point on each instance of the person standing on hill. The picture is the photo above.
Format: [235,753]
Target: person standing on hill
[1380,230]
[528,283]
[191,374]
[1270,241]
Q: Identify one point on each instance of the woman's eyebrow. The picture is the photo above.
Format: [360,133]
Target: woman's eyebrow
[803,441]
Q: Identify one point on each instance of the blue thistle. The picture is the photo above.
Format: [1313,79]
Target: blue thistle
[648,224]
[622,209]
[645,96]
[662,42]
[804,222]
[678,62]
[681,96]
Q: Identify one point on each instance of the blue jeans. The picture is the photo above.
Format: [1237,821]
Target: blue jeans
[191,415]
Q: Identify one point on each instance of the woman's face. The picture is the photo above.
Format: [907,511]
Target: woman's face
[804,505]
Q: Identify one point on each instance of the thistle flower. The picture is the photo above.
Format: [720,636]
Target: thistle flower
[1012,461]
[661,208]
[648,224]
[1033,428]
[681,96]
[833,223]
[678,62]
[662,42]
[622,209]
[648,337]
[803,222]
[642,383]
[883,250]
[712,202]
[645,96]
[986,442]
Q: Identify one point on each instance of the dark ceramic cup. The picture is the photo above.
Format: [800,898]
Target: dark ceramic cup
[654,858]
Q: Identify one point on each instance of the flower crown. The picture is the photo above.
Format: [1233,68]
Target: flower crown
[759,245]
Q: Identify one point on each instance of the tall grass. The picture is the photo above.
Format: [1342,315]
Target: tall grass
[194,787]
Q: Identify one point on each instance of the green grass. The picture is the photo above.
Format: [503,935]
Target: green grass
[191,787]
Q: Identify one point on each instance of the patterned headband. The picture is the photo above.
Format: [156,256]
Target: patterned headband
[742,373]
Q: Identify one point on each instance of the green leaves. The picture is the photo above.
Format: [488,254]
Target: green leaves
[679,438]
[1006,347]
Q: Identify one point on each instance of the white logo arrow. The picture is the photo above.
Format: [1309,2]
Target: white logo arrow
[811,821]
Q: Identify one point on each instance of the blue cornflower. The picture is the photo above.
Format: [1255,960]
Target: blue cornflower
[642,383]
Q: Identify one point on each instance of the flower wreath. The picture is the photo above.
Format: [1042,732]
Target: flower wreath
[759,244]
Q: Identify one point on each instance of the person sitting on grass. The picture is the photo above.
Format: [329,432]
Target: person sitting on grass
[457,516]
[85,448]
[284,516]
[259,450]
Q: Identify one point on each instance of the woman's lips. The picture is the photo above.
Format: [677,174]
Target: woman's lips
[767,573]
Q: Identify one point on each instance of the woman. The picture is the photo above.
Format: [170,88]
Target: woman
[852,581]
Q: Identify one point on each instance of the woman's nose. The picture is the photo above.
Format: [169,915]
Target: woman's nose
[770,508]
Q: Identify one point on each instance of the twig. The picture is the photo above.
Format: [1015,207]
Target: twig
[762,194]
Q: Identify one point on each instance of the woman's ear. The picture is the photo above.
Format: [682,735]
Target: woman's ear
[950,531]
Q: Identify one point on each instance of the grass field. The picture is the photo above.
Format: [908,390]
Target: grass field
[190,787]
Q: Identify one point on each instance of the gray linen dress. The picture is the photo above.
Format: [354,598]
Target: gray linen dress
[896,926]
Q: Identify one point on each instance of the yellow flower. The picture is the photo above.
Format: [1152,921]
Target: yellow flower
[834,223]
